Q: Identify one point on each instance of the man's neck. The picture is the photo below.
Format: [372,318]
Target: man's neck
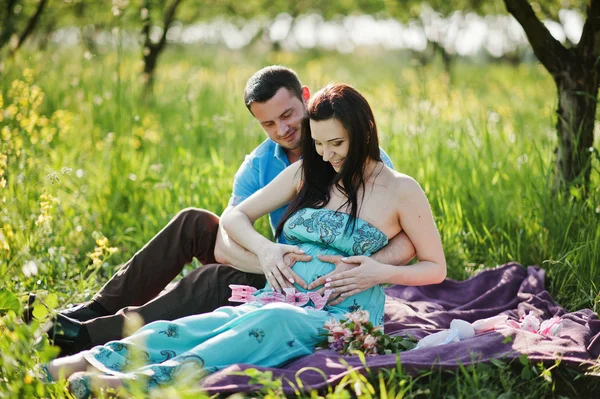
[293,155]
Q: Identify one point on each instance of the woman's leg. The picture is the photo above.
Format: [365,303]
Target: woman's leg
[159,341]
[268,336]
[82,383]
[65,366]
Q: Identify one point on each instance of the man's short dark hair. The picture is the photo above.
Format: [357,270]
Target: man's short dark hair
[263,85]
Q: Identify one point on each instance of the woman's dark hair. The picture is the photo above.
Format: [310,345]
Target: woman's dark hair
[345,104]
[263,85]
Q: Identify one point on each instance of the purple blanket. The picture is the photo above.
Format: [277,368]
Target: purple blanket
[419,311]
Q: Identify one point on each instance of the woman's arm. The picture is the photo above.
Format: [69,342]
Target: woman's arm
[239,224]
[416,219]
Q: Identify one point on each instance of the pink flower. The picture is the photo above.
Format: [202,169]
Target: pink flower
[369,342]
[349,334]
[355,332]
[340,332]
[359,316]
[329,324]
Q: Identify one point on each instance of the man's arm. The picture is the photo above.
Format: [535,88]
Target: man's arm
[230,252]
[245,183]
[399,251]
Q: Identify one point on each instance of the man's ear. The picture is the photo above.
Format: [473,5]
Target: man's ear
[305,93]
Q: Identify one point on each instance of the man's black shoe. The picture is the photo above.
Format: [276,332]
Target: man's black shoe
[82,312]
[69,335]
[28,313]
[85,311]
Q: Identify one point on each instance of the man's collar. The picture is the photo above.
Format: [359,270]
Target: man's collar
[280,154]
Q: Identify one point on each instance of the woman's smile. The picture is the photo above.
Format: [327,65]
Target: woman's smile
[337,162]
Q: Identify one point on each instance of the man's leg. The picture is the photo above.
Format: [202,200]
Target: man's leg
[203,290]
[191,233]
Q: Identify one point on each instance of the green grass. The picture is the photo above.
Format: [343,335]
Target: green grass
[482,149]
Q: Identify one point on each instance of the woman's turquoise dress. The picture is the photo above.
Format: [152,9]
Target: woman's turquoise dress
[253,333]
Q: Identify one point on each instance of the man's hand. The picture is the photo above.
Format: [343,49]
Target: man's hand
[356,274]
[276,269]
[340,266]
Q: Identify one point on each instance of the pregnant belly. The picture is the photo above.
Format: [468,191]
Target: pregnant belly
[315,268]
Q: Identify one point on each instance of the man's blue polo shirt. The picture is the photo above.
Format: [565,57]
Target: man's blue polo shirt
[262,166]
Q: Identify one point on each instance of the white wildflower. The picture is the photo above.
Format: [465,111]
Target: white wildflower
[30,269]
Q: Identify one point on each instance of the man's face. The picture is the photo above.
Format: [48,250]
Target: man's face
[281,117]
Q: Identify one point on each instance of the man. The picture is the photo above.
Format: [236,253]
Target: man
[277,100]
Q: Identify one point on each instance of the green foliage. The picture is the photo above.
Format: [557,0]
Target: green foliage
[495,379]
[8,302]
[481,149]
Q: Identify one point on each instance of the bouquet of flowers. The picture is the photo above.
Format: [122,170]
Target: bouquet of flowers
[356,333]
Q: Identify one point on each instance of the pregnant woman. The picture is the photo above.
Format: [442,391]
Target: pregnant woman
[344,201]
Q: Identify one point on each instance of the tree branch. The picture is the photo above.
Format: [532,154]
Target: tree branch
[169,17]
[30,25]
[547,49]
[146,23]
[589,44]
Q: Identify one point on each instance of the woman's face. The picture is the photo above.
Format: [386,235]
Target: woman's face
[332,141]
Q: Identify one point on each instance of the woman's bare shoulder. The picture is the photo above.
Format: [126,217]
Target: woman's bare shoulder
[403,185]
[295,170]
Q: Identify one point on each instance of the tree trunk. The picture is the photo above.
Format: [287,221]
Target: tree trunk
[8,30]
[150,59]
[576,73]
[153,50]
[577,102]
[447,59]
[30,26]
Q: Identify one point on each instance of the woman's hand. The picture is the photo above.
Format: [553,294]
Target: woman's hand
[340,266]
[277,268]
[365,273]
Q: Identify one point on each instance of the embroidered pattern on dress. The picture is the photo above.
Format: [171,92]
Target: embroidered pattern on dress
[354,307]
[168,354]
[257,333]
[117,346]
[366,238]
[103,355]
[164,374]
[329,225]
[172,331]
